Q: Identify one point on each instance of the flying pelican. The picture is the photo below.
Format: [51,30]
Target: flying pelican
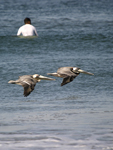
[28,82]
[68,74]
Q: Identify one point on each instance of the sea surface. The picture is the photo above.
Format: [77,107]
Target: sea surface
[78,115]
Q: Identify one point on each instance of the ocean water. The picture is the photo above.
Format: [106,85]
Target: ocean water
[77,116]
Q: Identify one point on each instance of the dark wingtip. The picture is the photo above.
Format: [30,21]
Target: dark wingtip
[25,95]
[63,84]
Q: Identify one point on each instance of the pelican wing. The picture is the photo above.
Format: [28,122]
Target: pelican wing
[28,85]
[67,80]
[28,89]
[67,74]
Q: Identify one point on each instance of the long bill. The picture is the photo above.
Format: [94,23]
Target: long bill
[45,78]
[82,71]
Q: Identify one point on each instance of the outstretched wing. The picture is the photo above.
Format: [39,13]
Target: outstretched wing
[28,85]
[28,89]
[67,74]
[67,80]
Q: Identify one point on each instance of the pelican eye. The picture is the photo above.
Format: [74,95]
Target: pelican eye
[74,69]
[35,75]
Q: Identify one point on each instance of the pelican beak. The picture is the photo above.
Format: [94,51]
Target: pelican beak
[44,78]
[82,71]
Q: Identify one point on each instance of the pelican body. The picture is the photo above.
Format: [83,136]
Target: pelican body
[28,82]
[68,74]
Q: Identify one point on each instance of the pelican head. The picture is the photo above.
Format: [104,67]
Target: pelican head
[35,76]
[75,70]
[78,70]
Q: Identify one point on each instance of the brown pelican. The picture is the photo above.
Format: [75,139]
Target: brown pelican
[68,74]
[28,82]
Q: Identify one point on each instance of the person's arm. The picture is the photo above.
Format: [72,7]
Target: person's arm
[19,32]
[35,32]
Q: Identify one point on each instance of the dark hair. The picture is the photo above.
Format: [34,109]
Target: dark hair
[27,20]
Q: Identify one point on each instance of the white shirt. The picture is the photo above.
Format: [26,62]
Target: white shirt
[27,30]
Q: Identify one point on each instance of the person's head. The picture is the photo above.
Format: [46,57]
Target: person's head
[27,21]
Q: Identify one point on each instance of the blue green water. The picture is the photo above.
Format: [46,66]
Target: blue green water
[78,115]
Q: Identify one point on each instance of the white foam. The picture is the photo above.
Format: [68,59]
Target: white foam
[29,141]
